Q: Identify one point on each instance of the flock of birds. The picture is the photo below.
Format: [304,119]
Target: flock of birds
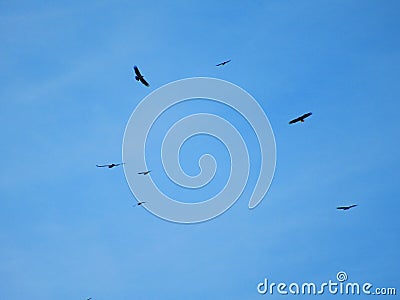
[139,77]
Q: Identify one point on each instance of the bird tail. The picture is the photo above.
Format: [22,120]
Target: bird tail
[137,78]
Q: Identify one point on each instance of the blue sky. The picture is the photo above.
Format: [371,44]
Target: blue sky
[69,230]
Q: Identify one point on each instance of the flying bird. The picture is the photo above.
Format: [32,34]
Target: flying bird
[89,298]
[346,207]
[300,119]
[139,76]
[144,172]
[223,63]
[140,203]
[109,166]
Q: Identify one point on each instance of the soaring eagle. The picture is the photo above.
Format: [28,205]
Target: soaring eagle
[223,63]
[346,207]
[300,119]
[139,77]
[109,166]
[144,172]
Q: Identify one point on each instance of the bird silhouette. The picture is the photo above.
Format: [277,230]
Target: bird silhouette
[223,63]
[139,76]
[109,166]
[346,207]
[300,119]
[140,203]
[144,172]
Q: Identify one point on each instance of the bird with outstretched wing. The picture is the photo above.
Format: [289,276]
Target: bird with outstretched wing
[139,76]
[223,63]
[109,165]
[300,119]
[346,207]
[144,172]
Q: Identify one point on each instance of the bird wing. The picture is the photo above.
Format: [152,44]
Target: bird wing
[220,64]
[354,205]
[294,121]
[101,166]
[306,115]
[341,207]
[142,80]
[137,72]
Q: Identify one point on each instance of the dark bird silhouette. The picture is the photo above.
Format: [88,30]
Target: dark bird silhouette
[223,63]
[300,119]
[139,76]
[144,172]
[89,298]
[140,203]
[346,207]
[109,166]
